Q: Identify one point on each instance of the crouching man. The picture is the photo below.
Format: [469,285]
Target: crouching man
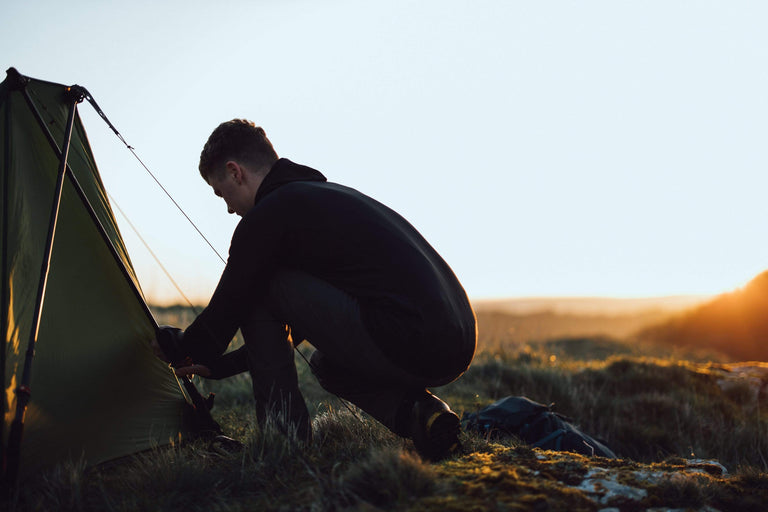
[323,262]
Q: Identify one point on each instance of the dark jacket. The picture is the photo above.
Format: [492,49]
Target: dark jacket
[411,302]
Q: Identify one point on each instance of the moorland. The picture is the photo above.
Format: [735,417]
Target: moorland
[687,421]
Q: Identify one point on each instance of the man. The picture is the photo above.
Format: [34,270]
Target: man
[325,263]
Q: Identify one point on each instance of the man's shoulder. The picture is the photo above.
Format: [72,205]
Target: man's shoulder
[315,189]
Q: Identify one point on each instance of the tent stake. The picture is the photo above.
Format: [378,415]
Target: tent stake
[24,391]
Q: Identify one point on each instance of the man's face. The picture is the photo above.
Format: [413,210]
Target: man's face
[225,185]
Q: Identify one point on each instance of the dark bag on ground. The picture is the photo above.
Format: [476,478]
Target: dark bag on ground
[534,423]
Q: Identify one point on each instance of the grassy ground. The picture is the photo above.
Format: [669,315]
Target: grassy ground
[658,412]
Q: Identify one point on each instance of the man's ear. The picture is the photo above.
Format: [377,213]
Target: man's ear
[235,170]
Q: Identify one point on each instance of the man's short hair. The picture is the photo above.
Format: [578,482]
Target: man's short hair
[240,140]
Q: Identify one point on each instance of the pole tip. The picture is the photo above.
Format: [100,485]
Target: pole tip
[15,79]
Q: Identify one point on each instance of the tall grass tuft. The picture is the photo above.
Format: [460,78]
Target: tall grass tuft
[389,477]
[62,487]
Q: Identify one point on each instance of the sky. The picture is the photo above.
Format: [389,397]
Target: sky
[597,148]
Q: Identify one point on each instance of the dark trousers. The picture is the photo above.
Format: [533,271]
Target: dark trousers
[347,362]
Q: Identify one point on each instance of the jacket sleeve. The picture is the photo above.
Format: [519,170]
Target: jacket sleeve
[251,263]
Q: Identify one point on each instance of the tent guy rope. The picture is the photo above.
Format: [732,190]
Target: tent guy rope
[152,253]
[101,113]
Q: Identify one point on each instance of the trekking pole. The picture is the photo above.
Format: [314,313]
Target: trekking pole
[23,391]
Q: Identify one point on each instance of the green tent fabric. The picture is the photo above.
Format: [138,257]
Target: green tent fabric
[97,391]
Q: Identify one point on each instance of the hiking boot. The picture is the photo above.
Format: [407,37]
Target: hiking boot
[434,428]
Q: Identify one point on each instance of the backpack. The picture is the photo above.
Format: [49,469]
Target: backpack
[534,423]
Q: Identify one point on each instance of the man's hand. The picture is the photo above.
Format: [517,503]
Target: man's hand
[195,369]
[187,370]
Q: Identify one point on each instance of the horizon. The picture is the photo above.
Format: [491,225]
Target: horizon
[555,304]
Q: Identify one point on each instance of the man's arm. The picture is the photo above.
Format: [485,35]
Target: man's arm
[227,365]
[252,261]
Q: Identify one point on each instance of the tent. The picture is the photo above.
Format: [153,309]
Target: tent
[79,377]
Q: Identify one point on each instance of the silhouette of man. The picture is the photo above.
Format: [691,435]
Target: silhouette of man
[327,264]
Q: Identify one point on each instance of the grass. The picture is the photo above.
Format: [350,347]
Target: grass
[655,410]
[645,408]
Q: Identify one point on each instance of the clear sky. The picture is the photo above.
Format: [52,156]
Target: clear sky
[562,148]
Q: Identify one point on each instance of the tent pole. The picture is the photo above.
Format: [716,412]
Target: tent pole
[24,391]
[200,404]
[4,272]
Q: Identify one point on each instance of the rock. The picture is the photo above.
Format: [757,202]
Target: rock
[603,487]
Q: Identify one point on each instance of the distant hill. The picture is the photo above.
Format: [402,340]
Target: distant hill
[602,306]
[502,322]
[735,324]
